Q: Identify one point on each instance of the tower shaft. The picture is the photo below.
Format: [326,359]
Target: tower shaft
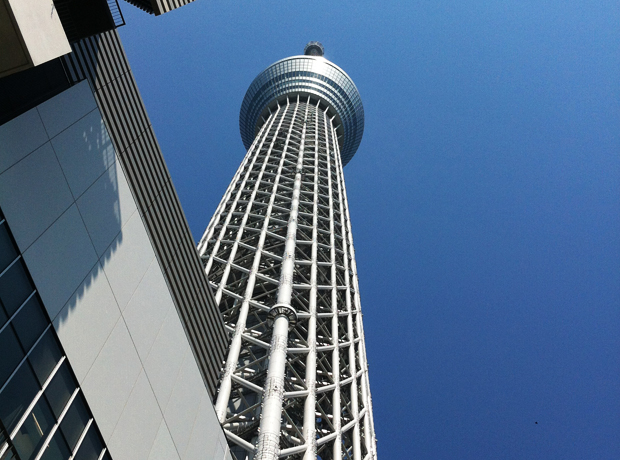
[279,255]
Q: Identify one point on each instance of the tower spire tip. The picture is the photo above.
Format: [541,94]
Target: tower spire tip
[314,49]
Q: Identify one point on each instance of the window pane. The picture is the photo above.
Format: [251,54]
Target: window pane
[30,323]
[74,421]
[9,455]
[31,435]
[3,316]
[17,396]
[57,449]
[7,250]
[15,287]
[60,389]
[45,356]
[91,446]
[10,353]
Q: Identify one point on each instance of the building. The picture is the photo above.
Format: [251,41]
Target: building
[279,256]
[111,343]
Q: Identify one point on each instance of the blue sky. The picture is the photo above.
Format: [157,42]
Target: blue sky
[485,200]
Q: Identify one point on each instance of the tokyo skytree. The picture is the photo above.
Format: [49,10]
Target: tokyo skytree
[279,256]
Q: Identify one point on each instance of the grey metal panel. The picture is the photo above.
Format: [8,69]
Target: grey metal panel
[163,447]
[84,331]
[66,240]
[148,308]
[63,110]
[102,61]
[128,259]
[103,227]
[137,427]
[48,194]
[20,137]
[111,379]
[84,151]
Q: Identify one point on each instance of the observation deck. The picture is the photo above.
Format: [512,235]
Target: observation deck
[313,75]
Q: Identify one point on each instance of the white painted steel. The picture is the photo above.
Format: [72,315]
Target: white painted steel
[235,347]
[268,446]
[310,403]
[279,255]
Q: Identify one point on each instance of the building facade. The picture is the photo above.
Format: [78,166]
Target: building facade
[111,343]
[279,256]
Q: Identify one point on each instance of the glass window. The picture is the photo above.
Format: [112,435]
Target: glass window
[33,432]
[57,448]
[3,317]
[75,421]
[15,287]
[9,455]
[30,322]
[7,249]
[60,389]
[91,446]
[11,352]
[45,356]
[17,396]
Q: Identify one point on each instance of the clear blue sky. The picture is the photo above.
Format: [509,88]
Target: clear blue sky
[485,200]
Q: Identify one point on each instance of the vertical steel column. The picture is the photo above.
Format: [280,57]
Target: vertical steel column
[330,153]
[368,418]
[310,403]
[268,447]
[235,346]
[248,209]
[350,333]
[202,245]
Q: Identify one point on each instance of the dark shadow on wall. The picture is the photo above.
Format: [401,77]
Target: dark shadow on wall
[23,318]
[24,90]
[67,262]
[101,208]
[101,61]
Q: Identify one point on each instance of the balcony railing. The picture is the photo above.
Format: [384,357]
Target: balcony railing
[116,13]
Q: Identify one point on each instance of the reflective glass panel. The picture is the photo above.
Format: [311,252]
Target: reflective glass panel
[3,317]
[60,389]
[74,421]
[45,356]
[91,446]
[57,448]
[15,287]
[30,322]
[9,455]
[7,250]
[33,432]
[17,396]
[10,353]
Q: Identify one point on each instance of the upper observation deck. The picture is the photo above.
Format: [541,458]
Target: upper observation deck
[310,74]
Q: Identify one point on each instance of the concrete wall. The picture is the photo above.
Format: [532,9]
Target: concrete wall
[30,34]
[75,220]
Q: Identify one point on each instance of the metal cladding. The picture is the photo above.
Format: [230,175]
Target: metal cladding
[314,49]
[279,256]
[102,61]
[301,75]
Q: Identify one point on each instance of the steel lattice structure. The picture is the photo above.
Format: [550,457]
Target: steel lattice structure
[279,255]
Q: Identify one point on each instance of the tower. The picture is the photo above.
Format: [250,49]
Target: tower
[279,255]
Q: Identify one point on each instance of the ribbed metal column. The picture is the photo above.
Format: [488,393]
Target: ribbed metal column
[279,255]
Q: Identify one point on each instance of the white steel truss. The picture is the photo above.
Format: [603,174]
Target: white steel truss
[279,255]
